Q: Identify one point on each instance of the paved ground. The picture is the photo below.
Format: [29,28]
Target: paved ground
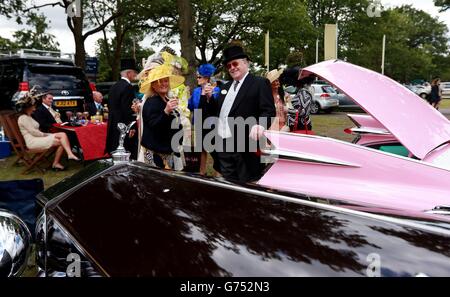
[445,111]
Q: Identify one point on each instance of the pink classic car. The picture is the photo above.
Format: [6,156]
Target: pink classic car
[361,174]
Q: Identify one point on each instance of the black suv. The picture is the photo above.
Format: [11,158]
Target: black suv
[67,83]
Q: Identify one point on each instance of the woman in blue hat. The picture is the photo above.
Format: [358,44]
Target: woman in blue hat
[204,74]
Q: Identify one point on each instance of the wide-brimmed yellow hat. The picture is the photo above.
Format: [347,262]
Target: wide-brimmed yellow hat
[274,75]
[160,72]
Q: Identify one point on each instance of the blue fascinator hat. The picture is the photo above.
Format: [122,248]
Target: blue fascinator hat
[206,70]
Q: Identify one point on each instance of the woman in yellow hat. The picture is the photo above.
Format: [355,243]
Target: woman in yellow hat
[158,114]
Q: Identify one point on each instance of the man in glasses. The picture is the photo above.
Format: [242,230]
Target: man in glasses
[246,98]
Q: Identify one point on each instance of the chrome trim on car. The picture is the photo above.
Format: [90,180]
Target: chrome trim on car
[299,157]
[365,130]
[440,210]
[15,244]
[360,147]
[68,98]
[403,222]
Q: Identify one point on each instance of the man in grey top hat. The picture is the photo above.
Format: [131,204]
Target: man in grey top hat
[120,99]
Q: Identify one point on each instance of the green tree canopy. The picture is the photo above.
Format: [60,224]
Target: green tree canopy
[444,4]
[36,38]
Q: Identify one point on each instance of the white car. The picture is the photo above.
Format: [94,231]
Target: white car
[423,90]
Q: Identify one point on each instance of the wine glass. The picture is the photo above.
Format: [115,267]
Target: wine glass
[171,96]
[69,116]
[136,101]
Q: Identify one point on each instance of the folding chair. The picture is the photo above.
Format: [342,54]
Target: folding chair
[7,131]
[31,157]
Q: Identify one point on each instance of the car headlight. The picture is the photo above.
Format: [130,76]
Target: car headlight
[14,244]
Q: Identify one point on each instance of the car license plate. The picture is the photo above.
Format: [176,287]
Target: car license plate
[66,103]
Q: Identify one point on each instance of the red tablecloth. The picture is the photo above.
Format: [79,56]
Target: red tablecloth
[92,139]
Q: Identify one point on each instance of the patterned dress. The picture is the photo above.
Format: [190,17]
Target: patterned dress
[298,116]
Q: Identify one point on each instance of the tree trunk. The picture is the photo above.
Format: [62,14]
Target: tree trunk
[80,52]
[186,26]
[118,30]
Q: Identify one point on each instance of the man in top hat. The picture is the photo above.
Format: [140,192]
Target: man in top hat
[121,97]
[248,97]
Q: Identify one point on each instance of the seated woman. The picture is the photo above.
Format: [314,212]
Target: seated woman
[37,140]
[158,114]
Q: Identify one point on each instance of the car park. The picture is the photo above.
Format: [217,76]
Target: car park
[51,72]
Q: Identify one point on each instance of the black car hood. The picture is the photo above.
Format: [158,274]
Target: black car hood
[131,220]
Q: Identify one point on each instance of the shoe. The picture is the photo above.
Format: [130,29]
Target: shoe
[76,159]
[57,168]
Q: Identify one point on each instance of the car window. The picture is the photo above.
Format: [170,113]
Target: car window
[328,89]
[53,78]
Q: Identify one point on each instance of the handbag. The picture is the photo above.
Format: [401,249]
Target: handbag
[298,131]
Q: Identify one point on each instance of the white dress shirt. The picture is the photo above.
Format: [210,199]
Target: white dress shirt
[224,130]
[52,112]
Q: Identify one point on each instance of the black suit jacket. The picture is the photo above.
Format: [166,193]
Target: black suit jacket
[120,100]
[157,133]
[44,118]
[254,100]
[92,108]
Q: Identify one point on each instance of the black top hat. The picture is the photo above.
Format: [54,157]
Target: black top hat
[232,53]
[128,64]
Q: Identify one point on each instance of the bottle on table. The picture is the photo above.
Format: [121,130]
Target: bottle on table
[105,112]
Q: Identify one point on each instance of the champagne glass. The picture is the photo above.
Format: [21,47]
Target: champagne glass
[136,101]
[171,96]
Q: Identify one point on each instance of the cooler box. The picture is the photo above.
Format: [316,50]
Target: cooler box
[5,149]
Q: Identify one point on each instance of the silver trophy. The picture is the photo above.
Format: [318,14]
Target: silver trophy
[120,155]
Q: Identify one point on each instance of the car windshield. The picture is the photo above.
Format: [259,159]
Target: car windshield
[56,78]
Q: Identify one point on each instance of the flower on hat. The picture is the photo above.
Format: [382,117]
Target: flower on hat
[160,72]
[30,98]
[206,70]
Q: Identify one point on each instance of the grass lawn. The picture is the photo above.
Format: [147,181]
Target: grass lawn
[445,104]
[11,171]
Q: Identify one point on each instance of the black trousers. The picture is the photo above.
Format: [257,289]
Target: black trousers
[238,166]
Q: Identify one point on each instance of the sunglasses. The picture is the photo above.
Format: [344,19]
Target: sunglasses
[233,64]
[198,76]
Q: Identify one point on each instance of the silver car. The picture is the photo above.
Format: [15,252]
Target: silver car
[325,98]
